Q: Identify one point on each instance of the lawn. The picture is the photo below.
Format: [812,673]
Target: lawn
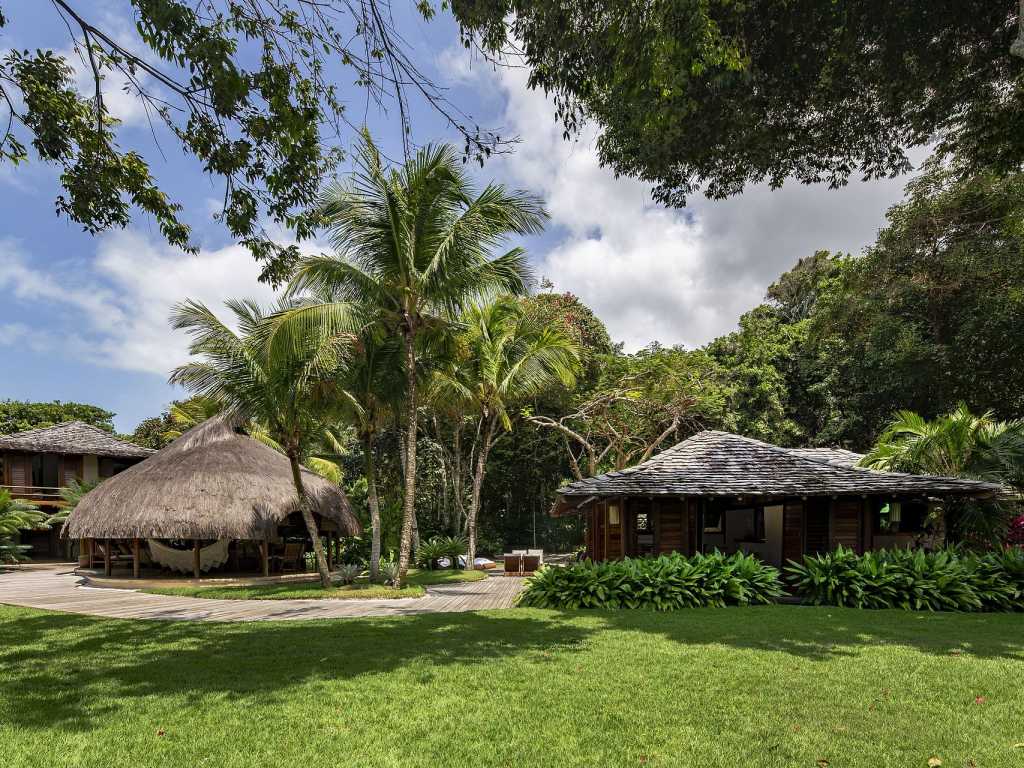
[305,590]
[771,686]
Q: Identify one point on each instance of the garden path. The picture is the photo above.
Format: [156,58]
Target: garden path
[58,588]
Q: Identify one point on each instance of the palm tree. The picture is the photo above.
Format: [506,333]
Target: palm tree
[414,246]
[371,389]
[190,413]
[16,515]
[286,389]
[957,444]
[506,358]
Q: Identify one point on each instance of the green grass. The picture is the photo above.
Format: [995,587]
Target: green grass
[425,578]
[771,686]
[305,590]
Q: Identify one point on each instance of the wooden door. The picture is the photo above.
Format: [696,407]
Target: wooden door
[614,539]
[816,526]
[793,531]
[597,516]
[846,532]
[671,526]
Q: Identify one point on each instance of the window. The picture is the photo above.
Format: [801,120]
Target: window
[759,534]
[44,470]
[901,516]
[643,522]
[613,514]
[712,521]
[108,467]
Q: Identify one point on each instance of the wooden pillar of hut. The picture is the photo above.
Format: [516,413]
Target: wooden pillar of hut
[83,553]
[265,556]
[195,558]
[106,557]
[330,551]
[136,565]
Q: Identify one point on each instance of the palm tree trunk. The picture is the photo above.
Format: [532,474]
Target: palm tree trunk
[409,502]
[307,517]
[460,512]
[373,503]
[478,482]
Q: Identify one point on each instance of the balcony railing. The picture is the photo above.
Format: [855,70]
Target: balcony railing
[40,493]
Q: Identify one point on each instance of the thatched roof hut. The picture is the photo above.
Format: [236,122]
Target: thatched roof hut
[211,483]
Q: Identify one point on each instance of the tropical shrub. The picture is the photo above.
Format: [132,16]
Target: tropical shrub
[346,573]
[438,547]
[15,516]
[664,583]
[388,571]
[354,550]
[945,580]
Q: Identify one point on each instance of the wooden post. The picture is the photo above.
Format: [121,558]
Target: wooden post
[330,551]
[92,553]
[106,557]
[83,553]
[195,558]
[136,565]
[265,556]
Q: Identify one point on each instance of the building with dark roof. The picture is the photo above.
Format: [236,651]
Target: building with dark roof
[725,491]
[35,465]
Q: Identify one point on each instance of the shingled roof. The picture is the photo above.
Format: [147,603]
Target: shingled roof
[721,464]
[72,437]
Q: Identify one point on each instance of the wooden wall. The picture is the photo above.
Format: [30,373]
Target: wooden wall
[809,526]
[847,524]
[671,525]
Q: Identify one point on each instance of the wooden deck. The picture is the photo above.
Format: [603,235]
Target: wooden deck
[57,588]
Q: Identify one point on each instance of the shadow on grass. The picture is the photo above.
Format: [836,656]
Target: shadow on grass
[60,670]
[52,665]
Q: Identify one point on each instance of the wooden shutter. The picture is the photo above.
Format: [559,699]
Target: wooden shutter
[793,531]
[71,469]
[846,524]
[20,472]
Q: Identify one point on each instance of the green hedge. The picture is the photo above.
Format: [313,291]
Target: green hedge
[946,580]
[664,583]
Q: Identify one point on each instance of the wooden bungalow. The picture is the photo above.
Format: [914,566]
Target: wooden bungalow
[719,490]
[213,498]
[37,464]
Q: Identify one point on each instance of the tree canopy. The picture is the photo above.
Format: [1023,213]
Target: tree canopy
[255,90]
[711,95]
[19,415]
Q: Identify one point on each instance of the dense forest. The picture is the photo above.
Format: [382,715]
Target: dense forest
[927,317]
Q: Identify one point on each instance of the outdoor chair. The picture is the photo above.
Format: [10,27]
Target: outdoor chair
[294,557]
[531,561]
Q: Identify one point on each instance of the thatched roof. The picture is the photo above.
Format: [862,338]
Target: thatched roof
[715,463]
[210,483]
[73,437]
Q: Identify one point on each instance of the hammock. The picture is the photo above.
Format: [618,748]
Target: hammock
[210,556]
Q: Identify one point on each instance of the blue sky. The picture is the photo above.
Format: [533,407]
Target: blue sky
[84,318]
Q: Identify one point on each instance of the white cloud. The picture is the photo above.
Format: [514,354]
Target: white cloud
[120,95]
[119,316]
[653,273]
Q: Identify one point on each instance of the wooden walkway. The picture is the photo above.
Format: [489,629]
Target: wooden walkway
[57,588]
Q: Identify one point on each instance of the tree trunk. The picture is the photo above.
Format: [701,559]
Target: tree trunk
[307,518]
[374,505]
[460,512]
[474,502]
[409,501]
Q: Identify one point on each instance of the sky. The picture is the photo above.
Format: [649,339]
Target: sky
[84,317]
